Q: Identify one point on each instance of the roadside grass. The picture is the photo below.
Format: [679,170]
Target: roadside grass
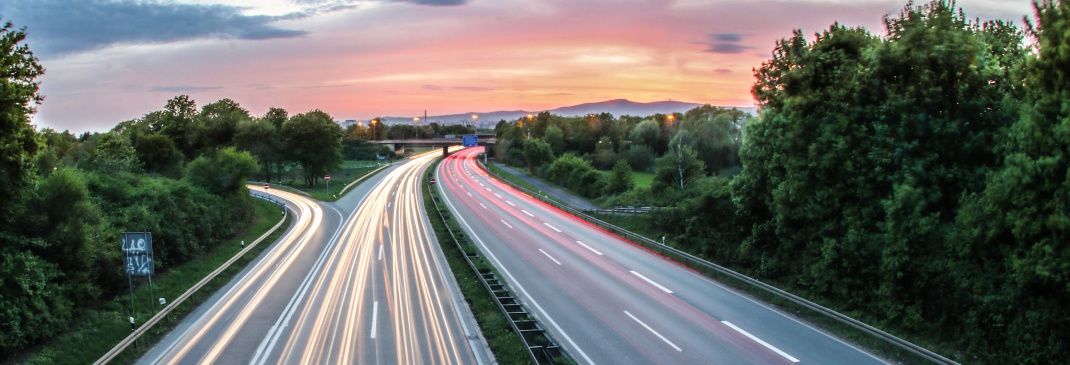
[348,171]
[505,175]
[102,328]
[504,343]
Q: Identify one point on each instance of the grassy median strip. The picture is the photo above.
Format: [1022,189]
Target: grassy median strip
[503,342]
[101,329]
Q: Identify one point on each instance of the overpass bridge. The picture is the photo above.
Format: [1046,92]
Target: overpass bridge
[399,145]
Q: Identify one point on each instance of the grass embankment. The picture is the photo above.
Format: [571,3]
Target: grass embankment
[505,175]
[101,329]
[504,343]
[349,171]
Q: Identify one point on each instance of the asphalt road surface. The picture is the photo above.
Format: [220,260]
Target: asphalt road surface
[359,281]
[609,301]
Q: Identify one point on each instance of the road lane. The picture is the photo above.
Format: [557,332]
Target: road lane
[620,303]
[372,288]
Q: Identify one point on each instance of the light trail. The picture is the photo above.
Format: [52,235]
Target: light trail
[377,293]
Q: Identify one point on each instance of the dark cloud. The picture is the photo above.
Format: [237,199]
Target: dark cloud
[183,88]
[59,27]
[725,43]
[726,37]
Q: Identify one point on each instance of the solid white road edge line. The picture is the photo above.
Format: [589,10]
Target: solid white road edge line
[654,332]
[760,342]
[550,257]
[664,289]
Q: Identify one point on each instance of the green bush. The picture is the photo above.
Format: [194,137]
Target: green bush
[576,174]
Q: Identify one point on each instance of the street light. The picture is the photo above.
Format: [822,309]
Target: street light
[415,120]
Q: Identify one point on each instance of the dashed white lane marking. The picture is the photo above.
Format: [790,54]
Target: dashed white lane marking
[599,253]
[760,342]
[484,206]
[654,332]
[550,257]
[510,203]
[506,224]
[551,227]
[375,317]
[529,214]
[664,289]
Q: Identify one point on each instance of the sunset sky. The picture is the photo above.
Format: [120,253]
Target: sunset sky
[111,61]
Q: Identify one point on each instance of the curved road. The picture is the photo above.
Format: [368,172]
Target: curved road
[369,286]
[608,301]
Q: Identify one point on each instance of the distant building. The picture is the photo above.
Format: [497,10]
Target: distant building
[348,122]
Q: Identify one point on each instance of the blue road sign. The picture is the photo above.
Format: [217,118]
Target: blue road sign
[137,253]
[469,140]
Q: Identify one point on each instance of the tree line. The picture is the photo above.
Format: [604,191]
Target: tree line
[917,179]
[678,148]
[179,172]
[358,136]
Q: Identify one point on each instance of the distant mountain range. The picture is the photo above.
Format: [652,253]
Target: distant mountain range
[617,107]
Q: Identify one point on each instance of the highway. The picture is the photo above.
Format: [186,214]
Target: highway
[361,280]
[609,301]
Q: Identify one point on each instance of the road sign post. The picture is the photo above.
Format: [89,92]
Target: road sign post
[138,261]
[328,179]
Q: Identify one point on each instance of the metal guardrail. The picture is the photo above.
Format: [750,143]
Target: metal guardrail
[700,262]
[134,336]
[620,210]
[540,345]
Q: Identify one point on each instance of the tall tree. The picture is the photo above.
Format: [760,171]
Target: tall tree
[262,139]
[620,179]
[314,140]
[176,123]
[1013,259]
[217,123]
[18,96]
